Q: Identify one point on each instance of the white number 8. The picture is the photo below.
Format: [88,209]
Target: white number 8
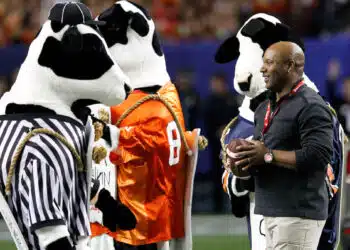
[174,140]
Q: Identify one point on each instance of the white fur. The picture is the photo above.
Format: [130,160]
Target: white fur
[245,111]
[40,86]
[137,58]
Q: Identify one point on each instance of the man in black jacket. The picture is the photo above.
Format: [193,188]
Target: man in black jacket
[289,156]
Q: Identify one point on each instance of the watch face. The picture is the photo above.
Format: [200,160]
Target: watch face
[268,157]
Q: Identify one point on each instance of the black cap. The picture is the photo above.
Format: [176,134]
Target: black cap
[72,13]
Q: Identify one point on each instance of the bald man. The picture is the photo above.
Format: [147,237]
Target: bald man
[289,154]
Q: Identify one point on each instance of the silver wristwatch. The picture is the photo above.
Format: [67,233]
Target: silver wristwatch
[268,157]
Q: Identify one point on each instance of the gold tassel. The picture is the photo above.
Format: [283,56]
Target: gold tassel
[98,126]
[98,154]
[103,115]
[202,142]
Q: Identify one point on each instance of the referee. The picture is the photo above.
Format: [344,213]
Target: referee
[292,147]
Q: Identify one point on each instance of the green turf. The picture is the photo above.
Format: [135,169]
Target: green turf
[200,243]
[221,243]
[7,245]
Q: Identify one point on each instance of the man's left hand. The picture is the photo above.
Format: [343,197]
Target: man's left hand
[252,155]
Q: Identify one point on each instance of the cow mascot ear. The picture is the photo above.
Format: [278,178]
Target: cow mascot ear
[228,50]
[139,24]
[118,21]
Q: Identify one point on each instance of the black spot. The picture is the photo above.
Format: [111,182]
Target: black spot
[143,10]
[156,44]
[56,26]
[78,56]
[139,24]
[252,28]
[266,33]
[117,21]
[228,50]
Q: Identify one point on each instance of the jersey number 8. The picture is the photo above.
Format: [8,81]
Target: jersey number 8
[174,140]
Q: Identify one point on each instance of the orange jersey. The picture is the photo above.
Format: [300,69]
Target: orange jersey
[151,169]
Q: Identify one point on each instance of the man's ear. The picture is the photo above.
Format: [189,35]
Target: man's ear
[228,50]
[291,64]
[139,24]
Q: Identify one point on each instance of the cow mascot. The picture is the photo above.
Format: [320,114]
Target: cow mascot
[156,157]
[46,141]
[257,34]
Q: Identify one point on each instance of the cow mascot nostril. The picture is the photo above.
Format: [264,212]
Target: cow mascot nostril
[45,173]
[244,84]
[127,89]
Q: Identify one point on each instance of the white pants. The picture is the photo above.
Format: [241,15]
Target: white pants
[257,227]
[292,233]
[102,242]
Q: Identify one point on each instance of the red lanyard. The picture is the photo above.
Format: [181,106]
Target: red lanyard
[268,116]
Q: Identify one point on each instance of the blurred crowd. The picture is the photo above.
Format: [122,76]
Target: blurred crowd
[191,19]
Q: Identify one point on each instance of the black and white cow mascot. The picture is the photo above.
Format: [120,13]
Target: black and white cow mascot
[45,147]
[168,153]
[256,35]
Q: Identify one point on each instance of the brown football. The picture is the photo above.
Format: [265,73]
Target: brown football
[232,158]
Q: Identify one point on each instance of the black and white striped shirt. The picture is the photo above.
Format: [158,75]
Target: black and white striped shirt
[47,188]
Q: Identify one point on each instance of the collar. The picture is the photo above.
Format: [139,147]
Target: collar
[13,108]
[296,86]
[148,90]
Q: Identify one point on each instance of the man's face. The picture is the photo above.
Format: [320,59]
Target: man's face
[274,70]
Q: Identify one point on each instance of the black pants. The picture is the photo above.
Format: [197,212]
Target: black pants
[123,246]
[218,193]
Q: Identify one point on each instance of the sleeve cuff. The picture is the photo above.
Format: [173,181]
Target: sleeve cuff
[299,158]
[49,234]
[47,223]
[233,188]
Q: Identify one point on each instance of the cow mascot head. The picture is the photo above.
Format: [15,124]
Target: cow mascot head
[247,47]
[46,148]
[133,42]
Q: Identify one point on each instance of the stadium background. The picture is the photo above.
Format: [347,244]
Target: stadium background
[191,31]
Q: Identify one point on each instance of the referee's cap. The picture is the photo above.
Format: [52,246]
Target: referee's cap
[72,13]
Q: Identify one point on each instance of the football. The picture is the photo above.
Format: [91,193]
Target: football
[231,157]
